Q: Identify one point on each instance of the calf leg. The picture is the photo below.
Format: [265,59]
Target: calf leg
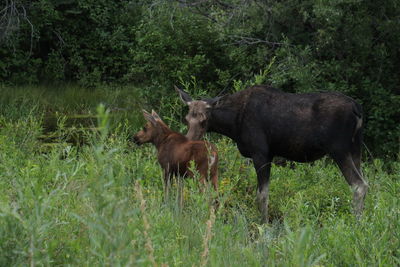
[213,175]
[354,178]
[214,180]
[202,182]
[212,170]
[263,169]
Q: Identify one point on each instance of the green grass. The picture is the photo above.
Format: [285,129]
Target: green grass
[80,206]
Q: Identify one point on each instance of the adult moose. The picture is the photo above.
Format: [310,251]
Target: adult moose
[266,122]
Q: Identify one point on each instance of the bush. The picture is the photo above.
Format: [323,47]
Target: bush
[350,47]
[107,199]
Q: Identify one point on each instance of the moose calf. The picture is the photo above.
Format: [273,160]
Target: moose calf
[175,151]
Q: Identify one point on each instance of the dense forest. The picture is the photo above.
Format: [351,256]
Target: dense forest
[213,46]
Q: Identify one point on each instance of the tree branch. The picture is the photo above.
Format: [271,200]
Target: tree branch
[10,20]
[245,40]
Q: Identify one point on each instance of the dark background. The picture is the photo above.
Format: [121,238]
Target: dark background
[298,46]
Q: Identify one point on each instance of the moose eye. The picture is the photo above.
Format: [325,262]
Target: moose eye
[144,129]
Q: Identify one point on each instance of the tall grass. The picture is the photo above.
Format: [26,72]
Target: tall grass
[102,204]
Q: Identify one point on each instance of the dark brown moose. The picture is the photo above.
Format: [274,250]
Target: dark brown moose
[266,122]
[175,151]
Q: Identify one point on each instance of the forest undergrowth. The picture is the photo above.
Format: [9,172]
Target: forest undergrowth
[101,202]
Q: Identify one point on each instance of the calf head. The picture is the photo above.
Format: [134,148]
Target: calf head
[198,115]
[151,131]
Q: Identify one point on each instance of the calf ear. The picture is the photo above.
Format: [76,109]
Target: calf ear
[155,115]
[149,117]
[185,97]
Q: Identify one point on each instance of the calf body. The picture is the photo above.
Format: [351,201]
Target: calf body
[176,151]
[266,122]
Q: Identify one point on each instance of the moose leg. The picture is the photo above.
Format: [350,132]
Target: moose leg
[354,178]
[263,169]
[356,150]
[356,157]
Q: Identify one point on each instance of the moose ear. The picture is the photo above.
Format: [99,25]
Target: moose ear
[149,117]
[155,115]
[185,97]
[212,101]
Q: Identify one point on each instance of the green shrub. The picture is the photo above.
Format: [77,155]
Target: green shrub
[79,205]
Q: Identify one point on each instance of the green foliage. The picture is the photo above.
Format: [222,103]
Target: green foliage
[74,40]
[175,45]
[299,46]
[79,205]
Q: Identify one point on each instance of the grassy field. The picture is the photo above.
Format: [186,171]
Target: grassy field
[101,203]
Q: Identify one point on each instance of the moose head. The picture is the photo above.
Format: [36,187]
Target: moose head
[198,115]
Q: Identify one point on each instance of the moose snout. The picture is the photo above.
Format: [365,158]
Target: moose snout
[136,140]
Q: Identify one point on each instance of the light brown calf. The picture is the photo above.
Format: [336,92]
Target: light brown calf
[175,151]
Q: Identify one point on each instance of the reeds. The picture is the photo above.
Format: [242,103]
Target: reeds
[207,237]
[146,224]
[76,206]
